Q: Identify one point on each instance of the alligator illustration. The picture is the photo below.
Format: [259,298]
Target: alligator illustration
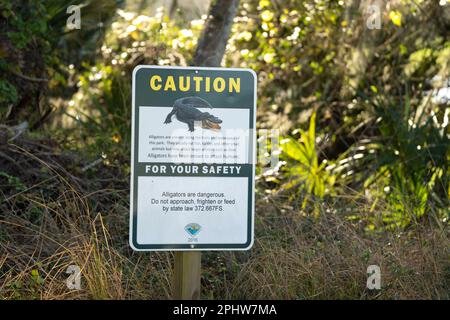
[185,109]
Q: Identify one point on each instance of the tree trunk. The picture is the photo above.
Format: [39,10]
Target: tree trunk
[212,43]
[209,53]
[362,53]
[173,8]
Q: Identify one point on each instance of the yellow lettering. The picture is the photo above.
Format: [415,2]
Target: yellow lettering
[170,84]
[153,84]
[197,81]
[207,84]
[182,85]
[219,84]
[235,83]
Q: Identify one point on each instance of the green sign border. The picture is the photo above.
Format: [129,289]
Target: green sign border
[134,164]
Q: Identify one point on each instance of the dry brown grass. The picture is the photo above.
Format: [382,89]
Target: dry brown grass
[57,219]
[327,258]
[48,246]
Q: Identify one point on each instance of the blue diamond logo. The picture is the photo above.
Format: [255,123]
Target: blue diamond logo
[193,228]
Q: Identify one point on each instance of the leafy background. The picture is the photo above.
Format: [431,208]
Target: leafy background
[362,116]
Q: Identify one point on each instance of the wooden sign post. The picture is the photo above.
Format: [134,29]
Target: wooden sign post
[192,165]
[187,275]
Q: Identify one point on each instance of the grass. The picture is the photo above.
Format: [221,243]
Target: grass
[54,215]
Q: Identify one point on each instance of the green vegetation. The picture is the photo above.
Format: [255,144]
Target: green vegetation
[364,150]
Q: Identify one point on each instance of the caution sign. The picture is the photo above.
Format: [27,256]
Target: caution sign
[193,158]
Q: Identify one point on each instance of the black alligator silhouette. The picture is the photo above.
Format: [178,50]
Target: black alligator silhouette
[185,109]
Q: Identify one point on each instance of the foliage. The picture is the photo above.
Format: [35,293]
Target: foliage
[305,172]
[413,155]
[24,33]
[102,104]
[364,171]
[299,57]
[287,46]
[35,47]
